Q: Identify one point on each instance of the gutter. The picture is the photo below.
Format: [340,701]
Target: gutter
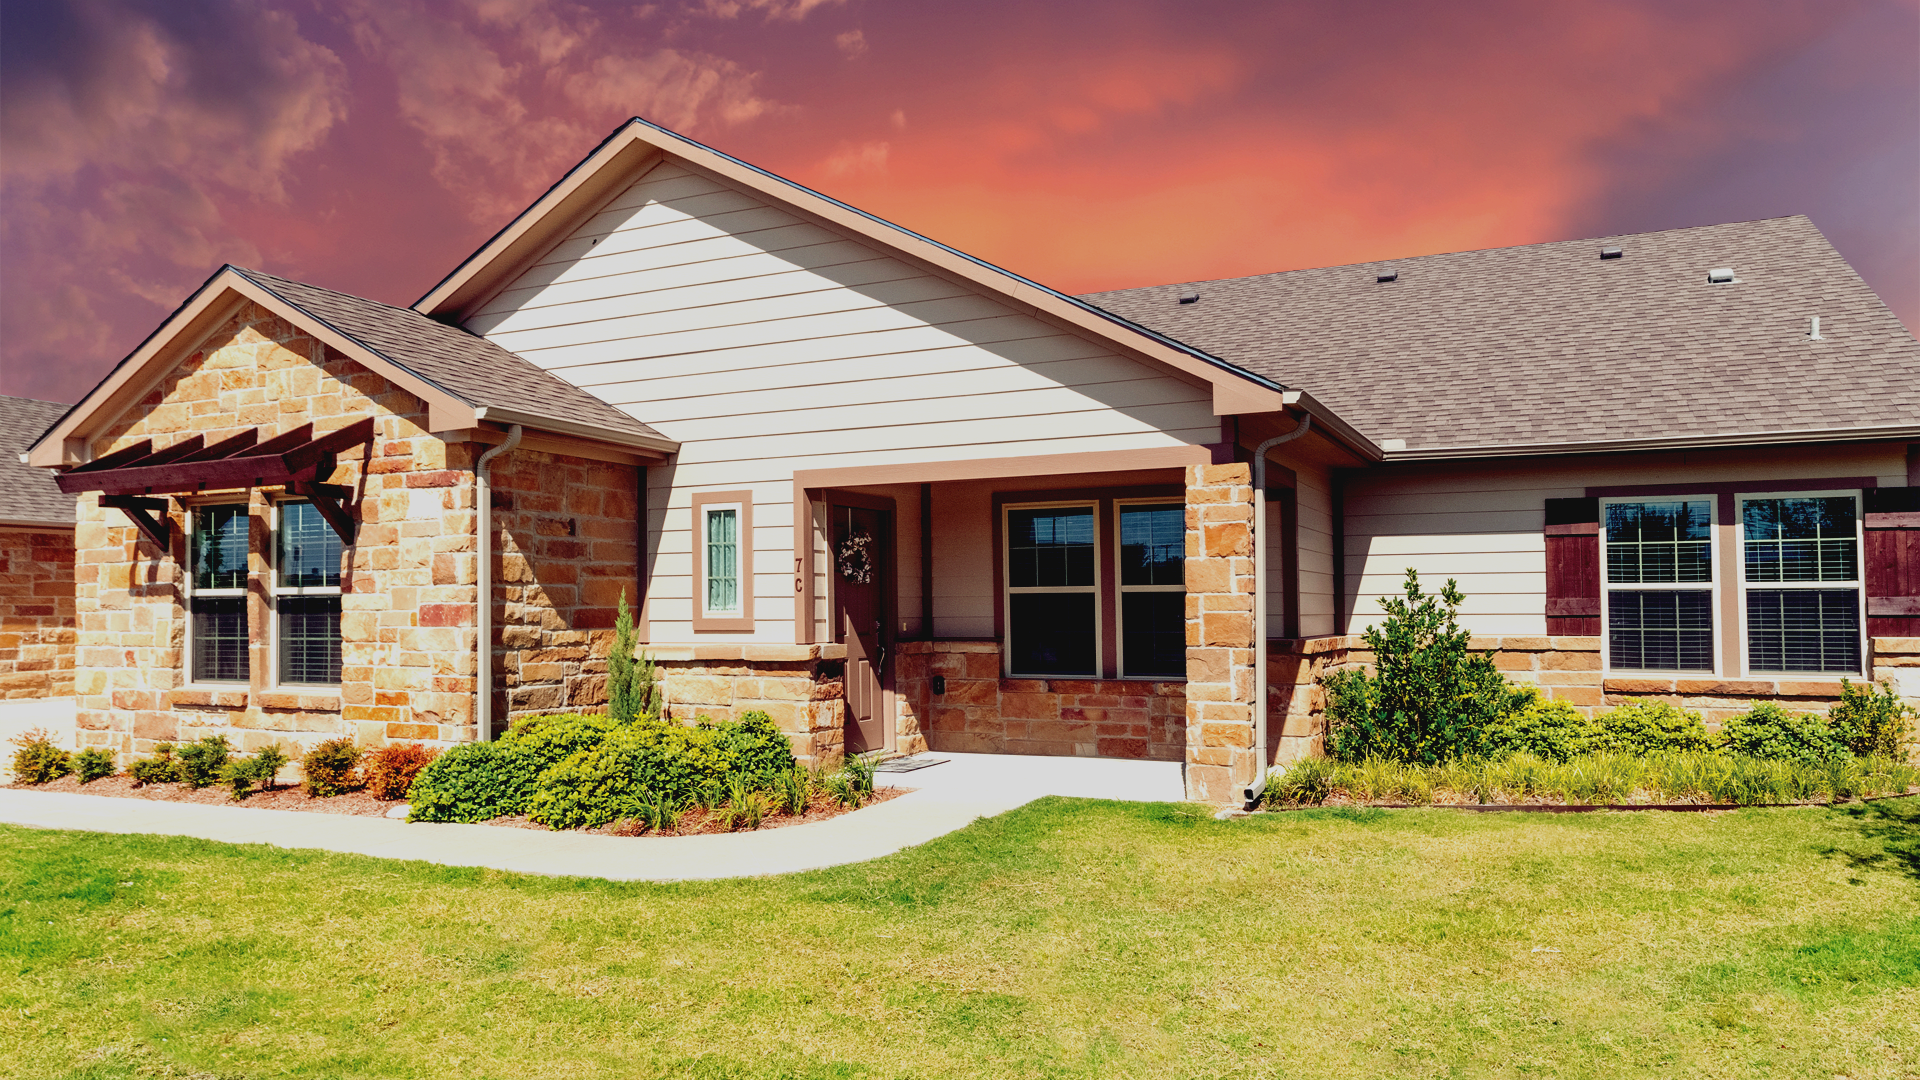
[1250,795]
[518,418]
[483,707]
[1614,446]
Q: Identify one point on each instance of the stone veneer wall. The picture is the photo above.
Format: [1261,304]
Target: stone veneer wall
[980,712]
[1220,647]
[566,548]
[406,628]
[799,686]
[1296,703]
[36,613]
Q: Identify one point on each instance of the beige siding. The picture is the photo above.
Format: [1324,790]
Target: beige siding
[1482,524]
[766,344]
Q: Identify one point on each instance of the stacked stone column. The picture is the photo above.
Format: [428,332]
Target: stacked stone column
[1221,680]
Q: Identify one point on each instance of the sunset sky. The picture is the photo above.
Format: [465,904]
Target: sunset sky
[369,145]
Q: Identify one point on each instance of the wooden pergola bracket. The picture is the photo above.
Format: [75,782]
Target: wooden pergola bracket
[148,515]
[331,500]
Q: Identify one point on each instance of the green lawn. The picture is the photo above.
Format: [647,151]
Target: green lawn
[1066,939]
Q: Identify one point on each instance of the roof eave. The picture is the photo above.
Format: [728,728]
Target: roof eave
[496,414]
[1330,424]
[1880,433]
[35,523]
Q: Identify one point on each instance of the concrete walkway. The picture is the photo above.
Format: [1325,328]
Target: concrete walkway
[946,797]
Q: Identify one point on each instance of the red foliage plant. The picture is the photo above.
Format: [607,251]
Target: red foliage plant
[391,769]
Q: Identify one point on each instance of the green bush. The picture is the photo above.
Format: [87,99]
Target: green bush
[203,761]
[330,768]
[1770,732]
[653,760]
[633,690]
[1429,698]
[482,781]
[1552,730]
[161,768]
[38,761]
[93,763]
[1871,720]
[1644,727]
[256,770]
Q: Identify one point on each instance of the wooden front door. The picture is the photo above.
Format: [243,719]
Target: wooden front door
[862,553]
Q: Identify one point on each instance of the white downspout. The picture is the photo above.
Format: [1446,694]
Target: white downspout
[483,711]
[1250,795]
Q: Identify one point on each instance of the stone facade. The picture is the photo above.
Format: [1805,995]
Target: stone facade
[1296,703]
[36,613]
[799,686]
[1221,681]
[977,711]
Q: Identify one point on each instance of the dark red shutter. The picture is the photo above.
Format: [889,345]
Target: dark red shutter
[1573,567]
[1892,562]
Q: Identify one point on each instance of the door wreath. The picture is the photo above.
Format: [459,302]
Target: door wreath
[855,557]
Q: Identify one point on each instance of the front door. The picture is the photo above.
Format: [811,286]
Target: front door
[861,555]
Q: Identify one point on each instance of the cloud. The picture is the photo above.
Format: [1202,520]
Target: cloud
[773,10]
[865,158]
[683,91]
[853,43]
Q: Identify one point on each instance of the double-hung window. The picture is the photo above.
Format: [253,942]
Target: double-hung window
[1800,570]
[306,596]
[1053,601]
[1153,589]
[217,594]
[1659,583]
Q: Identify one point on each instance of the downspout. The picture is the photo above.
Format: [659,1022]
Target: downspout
[484,520]
[1250,795]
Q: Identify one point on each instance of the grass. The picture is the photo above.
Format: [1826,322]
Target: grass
[1066,939]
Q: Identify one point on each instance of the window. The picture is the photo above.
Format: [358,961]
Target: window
[1153,590]
[1800,565]
[1052,573]
[1659,584]
[306,597]
[217,594]
[723,561]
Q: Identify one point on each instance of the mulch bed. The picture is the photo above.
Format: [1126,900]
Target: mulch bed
[360,804]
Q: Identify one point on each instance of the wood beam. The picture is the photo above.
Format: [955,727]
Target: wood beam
[332,501]
[148,515]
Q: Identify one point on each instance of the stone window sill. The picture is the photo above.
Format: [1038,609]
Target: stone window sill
[207,698]
[299,700]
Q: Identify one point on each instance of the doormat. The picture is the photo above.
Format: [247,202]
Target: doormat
[908,763]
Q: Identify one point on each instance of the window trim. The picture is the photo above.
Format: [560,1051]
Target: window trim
[189,590]
[1121,588]
[722,622]
[275,591]
[1858,584]
[1607,587]
[1008,590]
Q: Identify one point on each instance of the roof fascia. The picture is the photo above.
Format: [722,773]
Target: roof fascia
[1330,424]
[632,440]
[34,523]
[1884,433]
[1236,391]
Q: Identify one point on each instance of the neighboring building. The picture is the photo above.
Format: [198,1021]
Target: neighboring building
[900,498]
[36,562]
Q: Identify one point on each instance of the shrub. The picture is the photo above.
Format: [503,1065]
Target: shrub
[38,761]
[93,763]
[391,769]
[656,759]
[1870,722]
[203,761]
[1644,727]
[1770,732]
[161,768]
[256,770]
[482,781]
[330,768]
[1552,730]
[633,690]
[1429,698]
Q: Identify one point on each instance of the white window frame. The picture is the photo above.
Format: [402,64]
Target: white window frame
[1858,584]
[1121,588]
[740,576]
[275,591]
[1008,591]
[1607,587]
[190,590]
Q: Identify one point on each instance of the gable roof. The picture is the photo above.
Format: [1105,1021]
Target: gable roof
[28,496]
[463,378]
[1522,349]
[636,145]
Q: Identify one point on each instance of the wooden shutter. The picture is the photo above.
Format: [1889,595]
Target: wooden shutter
[1573,567]
[1892,562]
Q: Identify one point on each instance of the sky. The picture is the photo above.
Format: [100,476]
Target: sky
[371,145]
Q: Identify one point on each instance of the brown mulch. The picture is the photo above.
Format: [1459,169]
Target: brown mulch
[358,803]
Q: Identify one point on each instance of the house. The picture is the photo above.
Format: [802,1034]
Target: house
[36,562]
[900,498]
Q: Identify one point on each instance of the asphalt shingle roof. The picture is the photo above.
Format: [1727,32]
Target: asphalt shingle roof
[1549,343]
[29,495]
[467,365]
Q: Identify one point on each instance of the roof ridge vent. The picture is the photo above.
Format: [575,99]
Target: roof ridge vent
[1385,276]
[1609,252]
[1722,275]
[1190,296]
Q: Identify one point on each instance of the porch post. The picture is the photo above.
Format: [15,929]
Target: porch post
[1220,647]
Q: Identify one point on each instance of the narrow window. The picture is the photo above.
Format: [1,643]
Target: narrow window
[217,594]
[306,588]
[1801,563]
[1659,578]
[1153,590]
[722,557]
[1052,591]
[723,560]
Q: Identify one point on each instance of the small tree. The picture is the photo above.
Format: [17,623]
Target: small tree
[1429,698]
[633,690]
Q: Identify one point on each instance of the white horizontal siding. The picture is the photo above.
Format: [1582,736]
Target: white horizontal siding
[766,344]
